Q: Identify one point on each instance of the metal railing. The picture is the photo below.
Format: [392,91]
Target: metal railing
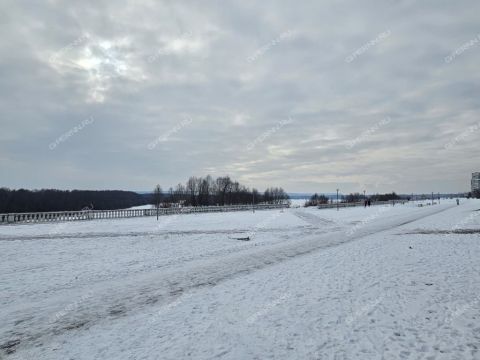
[55,216]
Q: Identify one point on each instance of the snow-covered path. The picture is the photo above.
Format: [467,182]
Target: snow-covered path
[311,284]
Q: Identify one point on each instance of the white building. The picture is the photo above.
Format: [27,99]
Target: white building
[476,181]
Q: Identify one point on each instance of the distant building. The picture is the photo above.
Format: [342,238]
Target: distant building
[476,181]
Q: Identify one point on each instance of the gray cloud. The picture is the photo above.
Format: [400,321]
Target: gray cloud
[140,67]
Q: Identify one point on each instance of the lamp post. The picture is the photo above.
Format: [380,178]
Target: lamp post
[337,201]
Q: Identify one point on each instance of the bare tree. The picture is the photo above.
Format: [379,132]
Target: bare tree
[223,186]
[179,194]
[192,190]
[204,191]
[275,196]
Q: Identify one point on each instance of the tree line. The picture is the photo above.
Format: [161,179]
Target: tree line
[316,199]
[65,200]
[197,191]
[474,194]
[207,191]
[357,197]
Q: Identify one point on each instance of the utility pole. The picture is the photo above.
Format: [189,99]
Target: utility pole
[337,201]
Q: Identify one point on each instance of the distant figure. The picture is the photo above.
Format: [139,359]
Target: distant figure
[369,202]
[458,201]
[366,203]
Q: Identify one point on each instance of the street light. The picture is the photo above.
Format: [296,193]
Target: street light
[337,200]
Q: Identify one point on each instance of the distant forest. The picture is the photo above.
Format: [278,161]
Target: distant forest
[64,200]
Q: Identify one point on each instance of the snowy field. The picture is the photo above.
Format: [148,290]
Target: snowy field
[384,282]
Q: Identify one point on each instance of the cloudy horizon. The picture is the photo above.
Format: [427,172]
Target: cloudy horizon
[376,96]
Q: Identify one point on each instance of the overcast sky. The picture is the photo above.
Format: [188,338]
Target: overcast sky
[309,95]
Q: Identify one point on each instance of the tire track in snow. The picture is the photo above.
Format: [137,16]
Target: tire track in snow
[94,235]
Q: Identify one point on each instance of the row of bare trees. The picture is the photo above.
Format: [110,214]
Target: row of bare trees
[316,200]
[206,191]
[474,194]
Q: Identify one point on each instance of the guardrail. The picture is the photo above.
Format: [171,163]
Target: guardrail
[55,216]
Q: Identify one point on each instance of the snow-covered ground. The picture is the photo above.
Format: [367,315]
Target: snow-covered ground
[387,282]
